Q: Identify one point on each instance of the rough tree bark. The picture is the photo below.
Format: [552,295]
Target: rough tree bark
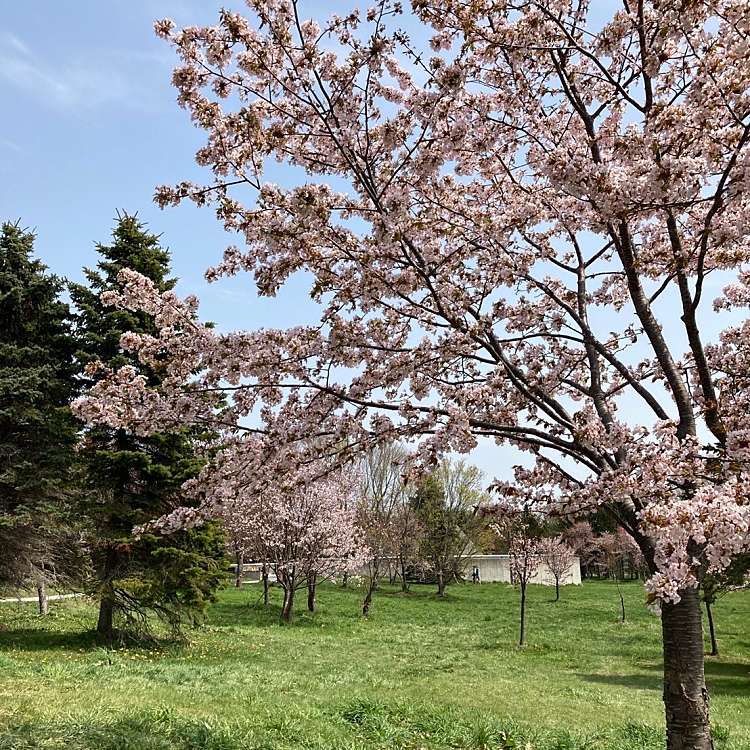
[622,601]
[685,694]
[372,585]
[287,580]
[367,602]
[441,583]
[105,622]
[287,607]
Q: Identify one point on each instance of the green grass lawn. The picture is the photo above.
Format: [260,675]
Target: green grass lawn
[421,673]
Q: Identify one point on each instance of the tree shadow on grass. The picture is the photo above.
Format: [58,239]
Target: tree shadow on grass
[250,613]
[32,639]
[234,615]
[727,669]
[717,669]
[728,678]
[722,678]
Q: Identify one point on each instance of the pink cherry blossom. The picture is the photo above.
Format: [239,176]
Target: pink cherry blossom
[511,235]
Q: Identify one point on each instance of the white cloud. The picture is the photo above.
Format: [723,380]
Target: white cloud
[73,86]
[10,145]
[17,44]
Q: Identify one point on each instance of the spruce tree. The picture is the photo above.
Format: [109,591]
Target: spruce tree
[441,536]
[37,429]
[134,479]
[446,503]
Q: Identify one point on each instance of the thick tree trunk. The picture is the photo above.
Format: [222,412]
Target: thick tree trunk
[240,564]
[345,580]
[712,632]
[41,592]
[264,576]
[287,607]
[685,694]
[522,636]
[105,623]
[311,585]
[557,589]
[441,583]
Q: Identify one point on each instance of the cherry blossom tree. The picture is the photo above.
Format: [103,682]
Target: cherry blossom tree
[525,559]
[303,527]
[238,537]
[311,537]
[615,549]
[519,530]
[558,557]
[241,541]
[384,492]
[512,236]
[619,552]
[581,539]
[237,548]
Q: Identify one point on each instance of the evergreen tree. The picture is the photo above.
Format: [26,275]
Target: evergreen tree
[446,502]
[37,429]
[134,479]
[440,532]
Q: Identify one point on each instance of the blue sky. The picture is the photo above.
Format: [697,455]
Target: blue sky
[91,126]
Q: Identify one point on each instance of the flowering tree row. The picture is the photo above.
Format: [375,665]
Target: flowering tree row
[303,527]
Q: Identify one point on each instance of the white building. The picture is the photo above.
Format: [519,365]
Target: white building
[493,568]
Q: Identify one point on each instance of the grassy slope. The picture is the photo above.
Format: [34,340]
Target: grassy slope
[421,673]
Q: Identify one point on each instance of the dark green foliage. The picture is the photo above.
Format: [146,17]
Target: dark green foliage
[178,576]
[37,430]
[451,528]
[734,577]
[100,327]
[136,479]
